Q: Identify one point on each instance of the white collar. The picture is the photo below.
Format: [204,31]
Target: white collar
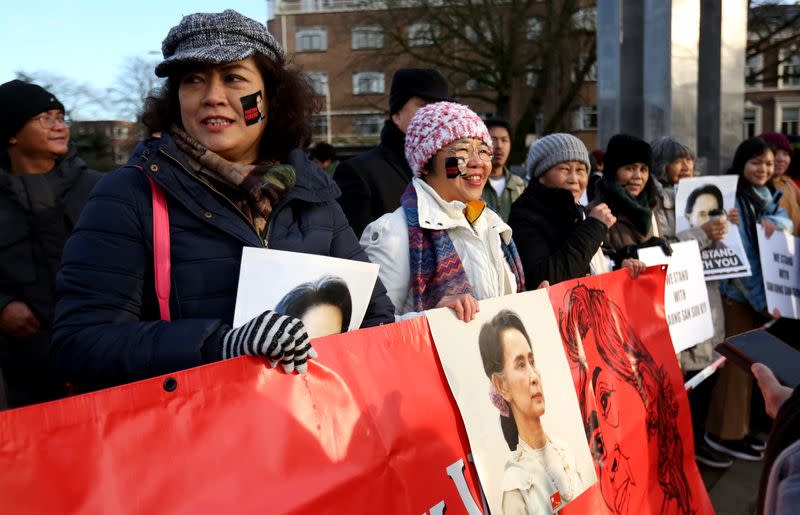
[435,213]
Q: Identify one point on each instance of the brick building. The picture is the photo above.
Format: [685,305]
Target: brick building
[106,144]
[335,42]
[772,94]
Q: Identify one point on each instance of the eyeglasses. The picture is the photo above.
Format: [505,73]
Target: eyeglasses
[48,121]
[463,151]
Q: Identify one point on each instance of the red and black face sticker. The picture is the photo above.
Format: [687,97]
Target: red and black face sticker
[454,167]
[253,106]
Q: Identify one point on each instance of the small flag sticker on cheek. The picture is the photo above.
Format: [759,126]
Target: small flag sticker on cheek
[253,106]
[452,167]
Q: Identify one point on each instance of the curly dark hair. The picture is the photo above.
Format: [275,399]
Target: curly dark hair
[290,99]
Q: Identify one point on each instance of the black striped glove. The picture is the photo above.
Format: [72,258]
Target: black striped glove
[280,338]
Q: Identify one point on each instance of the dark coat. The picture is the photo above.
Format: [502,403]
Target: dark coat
[554,240]
[624,238]
[31,243]
[372,182]
[107,328]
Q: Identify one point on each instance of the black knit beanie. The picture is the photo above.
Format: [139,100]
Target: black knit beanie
[19,102]
[624,149]
[425,83]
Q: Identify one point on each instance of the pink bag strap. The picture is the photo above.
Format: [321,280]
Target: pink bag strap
[161,253]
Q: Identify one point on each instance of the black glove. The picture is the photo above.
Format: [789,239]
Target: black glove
[655,241]
[626,252]
[280,338]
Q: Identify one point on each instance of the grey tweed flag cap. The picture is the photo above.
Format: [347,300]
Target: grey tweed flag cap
[217,38]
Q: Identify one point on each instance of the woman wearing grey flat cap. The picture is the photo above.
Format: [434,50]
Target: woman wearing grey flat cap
[233,117]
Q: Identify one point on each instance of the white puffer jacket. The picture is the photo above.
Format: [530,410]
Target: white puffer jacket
[478,245]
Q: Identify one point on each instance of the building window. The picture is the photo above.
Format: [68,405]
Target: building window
[368,125]
[753,69]
[580,63]
[120,132]
[789,69]
[585,19]
[790,120]
[532,77]
[367,83]
[312,39]
[534,28]
[477,85]
[486,31]
[752,121]
[367,37]
[420,34]
[584,118]
[318,81]
[319,125]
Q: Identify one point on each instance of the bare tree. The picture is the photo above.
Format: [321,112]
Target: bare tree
[774,35]
[134,83]
[81,100]
[527,58]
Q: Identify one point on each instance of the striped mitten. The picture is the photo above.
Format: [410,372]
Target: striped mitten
[280,338]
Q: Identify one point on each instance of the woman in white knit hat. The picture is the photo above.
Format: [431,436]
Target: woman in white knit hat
[558,239]
[441,247]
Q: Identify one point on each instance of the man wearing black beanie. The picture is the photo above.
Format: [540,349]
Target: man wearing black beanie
[43,187]
[373,181]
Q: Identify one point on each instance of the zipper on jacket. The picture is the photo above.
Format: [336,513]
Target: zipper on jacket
[264,241]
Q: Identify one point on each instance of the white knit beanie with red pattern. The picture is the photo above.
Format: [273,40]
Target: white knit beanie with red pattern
[437,125]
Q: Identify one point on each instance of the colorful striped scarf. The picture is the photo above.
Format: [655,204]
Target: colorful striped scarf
[436,268]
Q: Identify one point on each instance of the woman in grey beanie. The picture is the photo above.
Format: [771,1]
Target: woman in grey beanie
[233,120]
[673,161]
[558,239]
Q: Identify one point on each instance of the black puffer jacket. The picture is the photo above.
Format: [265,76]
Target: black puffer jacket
[107,328]
[31,241]
[372,182]
[554,240]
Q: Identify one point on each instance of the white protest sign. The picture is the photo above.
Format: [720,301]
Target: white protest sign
[700,199]
[685,296]
[779,267]
[295,284]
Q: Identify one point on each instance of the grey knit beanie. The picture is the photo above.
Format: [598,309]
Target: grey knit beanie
[217,38]
[666,150]
[553,149]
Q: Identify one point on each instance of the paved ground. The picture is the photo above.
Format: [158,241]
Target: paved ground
[733,491]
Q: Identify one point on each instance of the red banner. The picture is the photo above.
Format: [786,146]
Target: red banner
[371,428]
[630,389]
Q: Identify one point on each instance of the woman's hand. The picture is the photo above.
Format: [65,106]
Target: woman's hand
[715,229]
[603,213]
[465,305]
[279,338]
[769,227]
[775,394]
[733,216]
[543,285]
[635,266]
[17,319]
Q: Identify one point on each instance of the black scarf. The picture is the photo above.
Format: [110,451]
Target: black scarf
[637,210]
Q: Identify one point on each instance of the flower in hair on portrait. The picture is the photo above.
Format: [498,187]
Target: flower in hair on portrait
[498,401]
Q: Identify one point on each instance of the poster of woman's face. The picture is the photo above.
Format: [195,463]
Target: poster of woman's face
[329,295]
[513,386]
[703,200]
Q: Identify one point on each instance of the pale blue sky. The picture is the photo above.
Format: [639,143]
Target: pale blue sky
[89,40]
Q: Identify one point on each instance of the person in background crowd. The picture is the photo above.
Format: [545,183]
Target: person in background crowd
[744,300]
[779,493]
[43,187]
[630,191]
[231,178]
[673,161]
[324,155]
[794,165]
[556,238]
[503,187]
[372,182]
[790,200]
[595,172]
[441,247]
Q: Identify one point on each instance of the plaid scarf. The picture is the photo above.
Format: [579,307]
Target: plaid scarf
[262,184]
[436,268]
